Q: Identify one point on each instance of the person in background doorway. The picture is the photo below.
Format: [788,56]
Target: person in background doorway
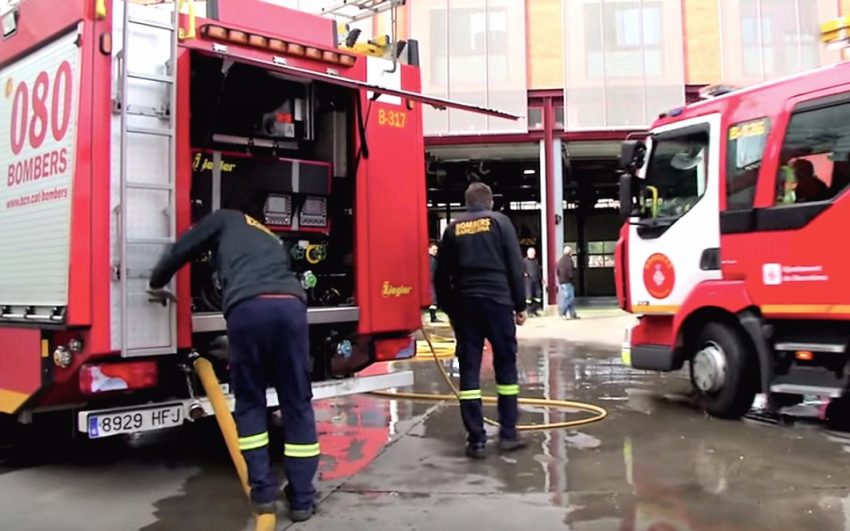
[433,249]
[480,286]
[533,288]
[566,290]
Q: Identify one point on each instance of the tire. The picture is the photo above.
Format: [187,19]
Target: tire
[733,395]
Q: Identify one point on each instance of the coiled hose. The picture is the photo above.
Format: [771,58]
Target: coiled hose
[598,413]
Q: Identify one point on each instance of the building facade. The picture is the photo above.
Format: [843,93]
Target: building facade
[583,75]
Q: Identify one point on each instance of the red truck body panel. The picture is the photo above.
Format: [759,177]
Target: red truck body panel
[391,224]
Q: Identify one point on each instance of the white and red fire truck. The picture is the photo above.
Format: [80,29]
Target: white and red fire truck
[730,253]
[122,124]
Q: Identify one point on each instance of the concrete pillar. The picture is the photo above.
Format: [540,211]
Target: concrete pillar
[544,214]
[558,194]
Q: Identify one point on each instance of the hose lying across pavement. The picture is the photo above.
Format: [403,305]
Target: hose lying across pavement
[267,522]
[598,412]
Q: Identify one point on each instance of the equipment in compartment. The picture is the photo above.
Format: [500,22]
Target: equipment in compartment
[293,199]
[273,185]
[278,210]
[243,102]
[314,212]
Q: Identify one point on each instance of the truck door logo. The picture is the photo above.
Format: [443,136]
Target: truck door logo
[659,276]
[771,274]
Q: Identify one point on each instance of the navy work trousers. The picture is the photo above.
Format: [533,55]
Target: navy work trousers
[475,320]
[269,345]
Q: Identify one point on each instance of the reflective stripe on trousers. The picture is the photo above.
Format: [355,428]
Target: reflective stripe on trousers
[301,450]
[252,442]
[508,390]
[471,394]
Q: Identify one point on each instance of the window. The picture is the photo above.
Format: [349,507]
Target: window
[815,157]
[535,118]
[747,141]
[476,37]
[623,40]
[559,116]
[677,171]
[600,254]
[778,37]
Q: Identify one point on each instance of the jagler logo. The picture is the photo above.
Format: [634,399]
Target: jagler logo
[388,290]
[202,163]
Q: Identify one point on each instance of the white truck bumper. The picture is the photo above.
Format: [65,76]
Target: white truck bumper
[156,416]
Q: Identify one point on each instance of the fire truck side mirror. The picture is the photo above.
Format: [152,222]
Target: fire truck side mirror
[632,155]
[628,184]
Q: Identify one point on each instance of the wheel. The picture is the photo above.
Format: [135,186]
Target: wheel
[724,372]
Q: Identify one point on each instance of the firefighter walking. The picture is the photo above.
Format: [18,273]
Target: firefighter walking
[479,284]
[264,305]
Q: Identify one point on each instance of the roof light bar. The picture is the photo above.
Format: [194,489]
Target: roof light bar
[211,31]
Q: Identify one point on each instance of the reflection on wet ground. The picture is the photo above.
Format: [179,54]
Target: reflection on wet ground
[657,463]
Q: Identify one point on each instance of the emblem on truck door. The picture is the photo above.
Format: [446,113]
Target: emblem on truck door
[659,276]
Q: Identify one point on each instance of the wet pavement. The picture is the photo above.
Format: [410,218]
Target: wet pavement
[656,463]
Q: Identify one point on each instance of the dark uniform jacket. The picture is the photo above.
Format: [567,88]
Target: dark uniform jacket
[432,262]
[250,259]
[532,270]
[480,257]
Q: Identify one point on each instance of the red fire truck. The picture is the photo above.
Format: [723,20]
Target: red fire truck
[123,124]
[728,252]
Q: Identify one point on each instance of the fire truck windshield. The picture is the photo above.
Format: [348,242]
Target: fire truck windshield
[676,174]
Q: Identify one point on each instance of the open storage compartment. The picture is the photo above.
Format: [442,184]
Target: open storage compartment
[279,148]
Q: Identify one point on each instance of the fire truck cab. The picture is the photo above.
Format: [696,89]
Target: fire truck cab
[730,253]
[123,124]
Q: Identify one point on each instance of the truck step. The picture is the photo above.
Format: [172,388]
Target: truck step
[801,389]
[834,348]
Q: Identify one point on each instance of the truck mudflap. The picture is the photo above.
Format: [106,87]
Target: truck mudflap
[156,416]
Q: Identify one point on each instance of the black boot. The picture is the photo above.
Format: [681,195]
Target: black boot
[511,445]
[476,451]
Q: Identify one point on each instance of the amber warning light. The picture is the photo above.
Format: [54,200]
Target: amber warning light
[263,42]
[804,355]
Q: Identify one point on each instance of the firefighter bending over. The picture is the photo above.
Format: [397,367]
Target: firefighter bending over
[479,283]
[264,305]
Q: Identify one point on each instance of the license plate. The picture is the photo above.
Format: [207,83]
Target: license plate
[109,423]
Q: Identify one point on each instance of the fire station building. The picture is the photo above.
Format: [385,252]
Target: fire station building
[584,75]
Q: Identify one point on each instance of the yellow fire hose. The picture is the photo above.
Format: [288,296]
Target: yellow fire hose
[599,413]
[267,522]
[264,522]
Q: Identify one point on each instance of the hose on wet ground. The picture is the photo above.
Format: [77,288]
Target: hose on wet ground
[206,373]
[598,413]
